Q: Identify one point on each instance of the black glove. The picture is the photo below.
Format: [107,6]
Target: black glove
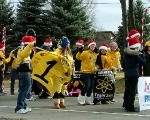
[1,58]
[142,56]
[34,44]
[81,49]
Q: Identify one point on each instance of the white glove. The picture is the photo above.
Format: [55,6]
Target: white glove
[120,68]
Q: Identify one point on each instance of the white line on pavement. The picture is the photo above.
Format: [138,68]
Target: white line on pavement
[78,111]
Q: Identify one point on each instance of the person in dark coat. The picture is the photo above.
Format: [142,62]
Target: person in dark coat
[132,59]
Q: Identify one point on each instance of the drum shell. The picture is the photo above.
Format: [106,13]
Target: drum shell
[104,85]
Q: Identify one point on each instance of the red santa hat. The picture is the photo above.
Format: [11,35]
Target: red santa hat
[133,33]
[2,47]
[80,42]
[48,42]
[103,46]
[28,39]
[134,42]
[91,42]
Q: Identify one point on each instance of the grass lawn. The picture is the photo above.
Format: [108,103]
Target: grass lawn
[119,82]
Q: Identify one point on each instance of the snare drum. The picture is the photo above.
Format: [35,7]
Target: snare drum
[77,80]
[104,85]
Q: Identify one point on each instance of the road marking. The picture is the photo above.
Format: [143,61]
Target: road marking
[78,111]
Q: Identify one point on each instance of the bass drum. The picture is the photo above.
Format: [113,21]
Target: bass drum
[75,86]
[104,85]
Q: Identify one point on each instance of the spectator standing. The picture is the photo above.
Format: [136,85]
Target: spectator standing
[132,59]
[147,57]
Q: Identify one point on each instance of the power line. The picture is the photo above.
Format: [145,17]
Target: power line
[82,3]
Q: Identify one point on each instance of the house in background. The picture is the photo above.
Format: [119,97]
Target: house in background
[104,37]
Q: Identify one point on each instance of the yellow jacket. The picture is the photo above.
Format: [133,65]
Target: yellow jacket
[115,57]
[4,60]
[88,63]
[106,62]
[70,61]
[24,54]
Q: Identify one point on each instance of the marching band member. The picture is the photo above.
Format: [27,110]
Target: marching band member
[79,46]
[88,68]
[115,56]
[24,68]
[39,89]
[3,61]
[60,87]
[104,63]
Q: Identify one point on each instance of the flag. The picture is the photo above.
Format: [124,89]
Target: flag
[48,64]
[4,35]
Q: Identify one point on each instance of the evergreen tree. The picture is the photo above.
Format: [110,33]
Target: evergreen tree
[119,39]
[69,19]
[6,20]
[30,15]
[138,11]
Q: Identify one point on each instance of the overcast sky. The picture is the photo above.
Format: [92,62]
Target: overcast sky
[108,16]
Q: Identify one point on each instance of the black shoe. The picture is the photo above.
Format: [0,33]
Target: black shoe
[12,93]
[133,110]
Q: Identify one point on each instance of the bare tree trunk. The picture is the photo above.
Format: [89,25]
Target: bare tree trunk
[124,18]
[131,15]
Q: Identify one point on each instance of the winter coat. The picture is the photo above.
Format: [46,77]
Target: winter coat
[23,57]
[147,66]
[4,60]
[104,62]
[115,56]
[88,61]
[132,59]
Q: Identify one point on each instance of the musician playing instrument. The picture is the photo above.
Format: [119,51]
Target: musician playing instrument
[3,61]
[104,63]
[24,68]
[60,87]
[88,68]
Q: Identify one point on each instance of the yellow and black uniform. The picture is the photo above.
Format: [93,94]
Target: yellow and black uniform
[88,69]
[115,57]
[3,61]
[24,68]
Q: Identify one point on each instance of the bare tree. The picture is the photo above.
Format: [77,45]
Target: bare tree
[124,19]
[131,15]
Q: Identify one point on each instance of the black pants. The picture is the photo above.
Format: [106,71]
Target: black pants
[130,92]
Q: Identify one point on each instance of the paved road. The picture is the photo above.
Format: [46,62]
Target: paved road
[42,109]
